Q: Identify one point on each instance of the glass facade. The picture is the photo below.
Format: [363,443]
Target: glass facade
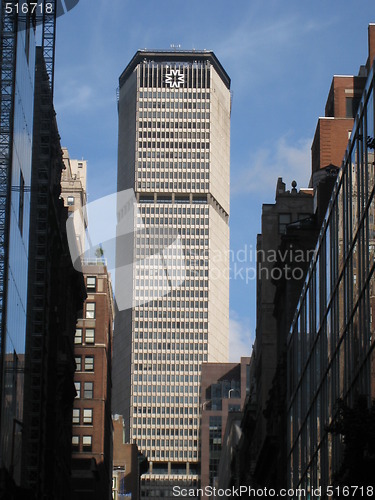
[13,341]
[330,348]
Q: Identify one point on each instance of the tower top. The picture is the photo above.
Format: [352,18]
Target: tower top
[175,56]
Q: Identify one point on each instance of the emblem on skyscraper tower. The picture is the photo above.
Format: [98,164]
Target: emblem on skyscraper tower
[175,78]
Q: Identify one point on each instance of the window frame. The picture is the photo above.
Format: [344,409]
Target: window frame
[78,337]
[88,416]
[87,447]
[89,361]
[76,416]
[87,391]
[90,340]
[90,310]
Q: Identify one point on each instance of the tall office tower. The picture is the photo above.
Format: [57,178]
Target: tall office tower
[174,121]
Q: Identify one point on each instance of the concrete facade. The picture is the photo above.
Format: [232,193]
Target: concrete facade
[174,116]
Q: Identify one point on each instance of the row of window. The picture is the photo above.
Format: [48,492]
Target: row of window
[89,336]
[166,324]
[157,313]
[154,454]
[172,335]
[172,95]
[86,414]
[171,135]
[173,399]
[165,410]
[173,165]
[176,124]
[165,115]
[186,423]
[172,209]
[173,367]
[88,390]
[88,363]
[152,354]
[173,105]
[183,443]
[174,145]
[174,154]
[175,186]
[181,174]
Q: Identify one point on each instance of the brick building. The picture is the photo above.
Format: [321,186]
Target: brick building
[92,421]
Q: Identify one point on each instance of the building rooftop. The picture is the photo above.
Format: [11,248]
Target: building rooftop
[175,56]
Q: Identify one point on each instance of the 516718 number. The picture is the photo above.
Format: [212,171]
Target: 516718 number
[350,491]
[28,8]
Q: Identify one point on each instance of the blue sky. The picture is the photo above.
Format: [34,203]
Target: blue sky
[281,57]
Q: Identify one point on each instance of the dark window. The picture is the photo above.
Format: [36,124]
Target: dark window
[284,220]
[352,104]
[75,443]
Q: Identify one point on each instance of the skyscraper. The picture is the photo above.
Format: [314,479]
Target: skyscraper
[174,121]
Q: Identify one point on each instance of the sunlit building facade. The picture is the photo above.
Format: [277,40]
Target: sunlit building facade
[331,342]
[174,117]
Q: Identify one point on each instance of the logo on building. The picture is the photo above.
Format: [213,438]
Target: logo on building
[175,78]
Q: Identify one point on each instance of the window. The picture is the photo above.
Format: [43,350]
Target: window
[78,336]
[87,416]
[77,385]
[90,310]
[75,443]
[80,164]
[91,283]
[284,220]
[76,416]
[78,360]
[88,390]
[352,104]
[90,336]
[70,201]
[87,443]
[89,363]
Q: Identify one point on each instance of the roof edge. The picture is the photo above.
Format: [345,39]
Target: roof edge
[175,55]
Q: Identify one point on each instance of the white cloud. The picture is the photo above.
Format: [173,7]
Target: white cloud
[291,161]
[240,338]
[260,47]
[74,95]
